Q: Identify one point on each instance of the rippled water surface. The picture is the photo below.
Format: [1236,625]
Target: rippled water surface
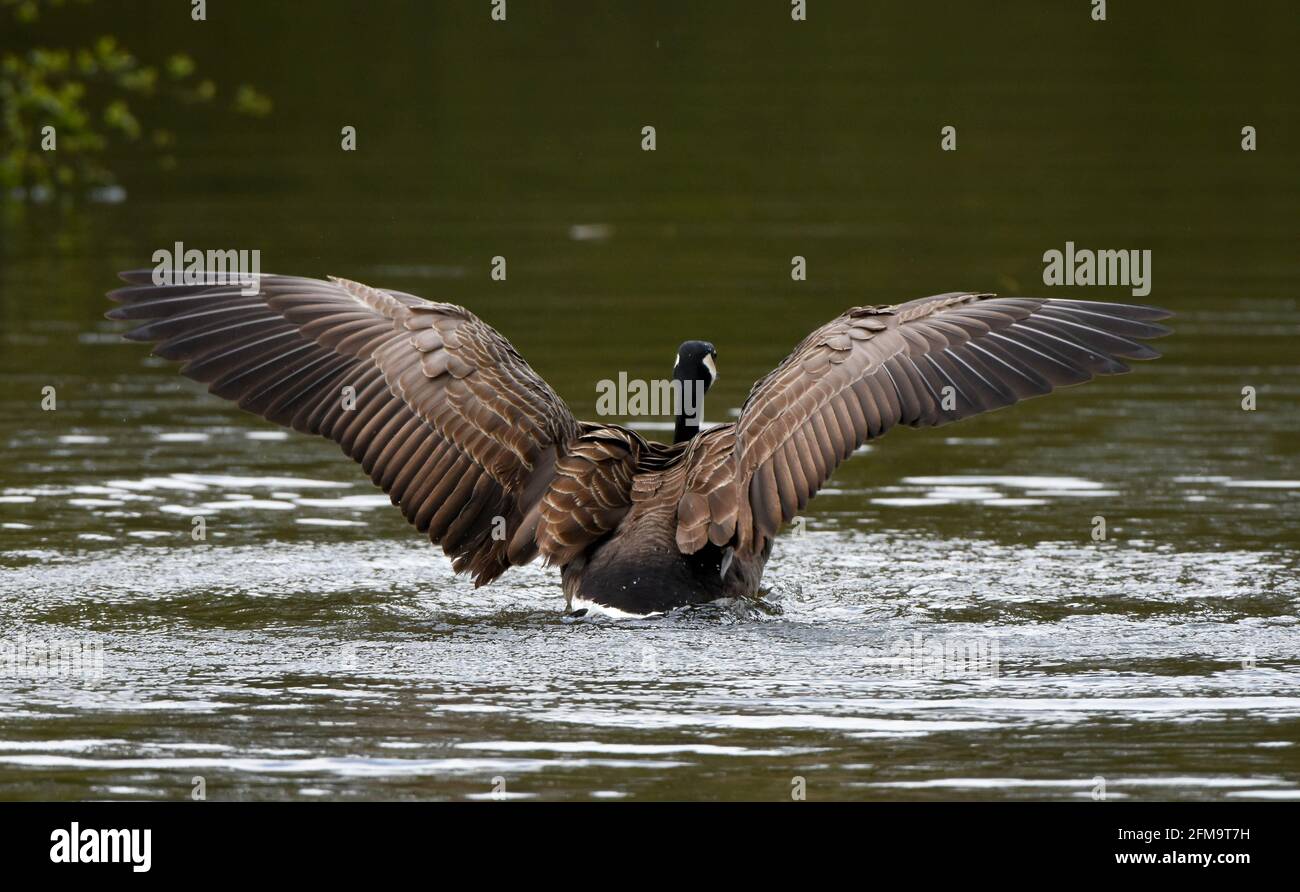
[944,624]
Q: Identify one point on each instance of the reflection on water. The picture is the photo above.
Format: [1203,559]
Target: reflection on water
[946,626]
[362,668]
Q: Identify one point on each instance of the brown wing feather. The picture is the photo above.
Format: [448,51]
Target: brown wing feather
[437,407]
[922,363]
[707,509]
[591,492]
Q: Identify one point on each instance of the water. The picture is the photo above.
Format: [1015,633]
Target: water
[945,627]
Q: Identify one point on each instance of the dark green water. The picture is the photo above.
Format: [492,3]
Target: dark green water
[314,646]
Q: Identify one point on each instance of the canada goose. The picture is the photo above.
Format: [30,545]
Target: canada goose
[479,453]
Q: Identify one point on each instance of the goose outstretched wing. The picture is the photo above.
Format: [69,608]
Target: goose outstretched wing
[436,406]
[922,363]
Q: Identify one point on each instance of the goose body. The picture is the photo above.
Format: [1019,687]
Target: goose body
[483,457]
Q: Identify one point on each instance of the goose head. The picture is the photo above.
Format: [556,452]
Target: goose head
[696,368]
[696,361]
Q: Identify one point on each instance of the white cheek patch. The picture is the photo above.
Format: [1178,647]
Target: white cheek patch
[677,362]
[713,369]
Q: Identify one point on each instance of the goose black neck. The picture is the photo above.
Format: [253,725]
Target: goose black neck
[683,430]
[690,408]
